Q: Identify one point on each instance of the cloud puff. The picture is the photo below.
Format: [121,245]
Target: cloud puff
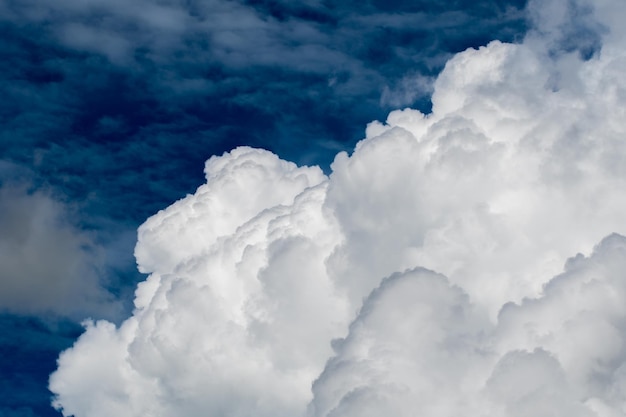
[493,179]
[47,265]
[419,344]
[414,348]
[265,249]
[268,294]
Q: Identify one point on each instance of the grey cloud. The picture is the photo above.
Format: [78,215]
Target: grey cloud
[533,383]
[47,265]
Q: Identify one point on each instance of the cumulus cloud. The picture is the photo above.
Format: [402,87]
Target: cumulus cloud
[414,348]
[264,243]
[468,261]
[47,265]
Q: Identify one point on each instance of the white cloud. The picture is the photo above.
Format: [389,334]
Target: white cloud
[412,350]
[262,270]
[419,345]
[262,242]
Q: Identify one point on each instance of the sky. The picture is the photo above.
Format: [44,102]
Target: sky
[267,208]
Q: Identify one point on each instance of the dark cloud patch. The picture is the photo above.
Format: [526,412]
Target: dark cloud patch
[47,264]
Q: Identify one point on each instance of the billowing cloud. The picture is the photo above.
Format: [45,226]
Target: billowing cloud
[48,265]
[468,261]
[266,251]
[420,345]
[115,105]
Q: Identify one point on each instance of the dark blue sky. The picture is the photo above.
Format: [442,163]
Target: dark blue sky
[110,108]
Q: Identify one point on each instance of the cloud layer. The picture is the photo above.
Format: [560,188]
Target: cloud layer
[466,261]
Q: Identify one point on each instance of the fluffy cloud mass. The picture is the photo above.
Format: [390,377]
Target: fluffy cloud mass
[468,261]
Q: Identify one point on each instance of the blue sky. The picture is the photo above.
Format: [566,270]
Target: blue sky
[110,110]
